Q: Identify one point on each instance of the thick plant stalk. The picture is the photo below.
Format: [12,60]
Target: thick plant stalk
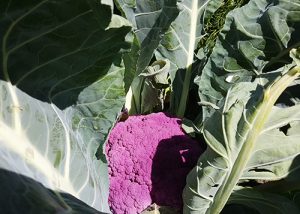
[185,92]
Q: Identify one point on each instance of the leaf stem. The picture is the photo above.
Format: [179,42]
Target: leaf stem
[185,92]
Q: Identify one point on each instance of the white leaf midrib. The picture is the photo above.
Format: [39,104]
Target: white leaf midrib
[194,18]
[193,30]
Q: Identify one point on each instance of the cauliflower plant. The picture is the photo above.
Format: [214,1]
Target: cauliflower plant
[149,158]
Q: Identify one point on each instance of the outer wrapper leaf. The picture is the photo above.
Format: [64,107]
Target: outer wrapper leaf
[232,134]
[58,148]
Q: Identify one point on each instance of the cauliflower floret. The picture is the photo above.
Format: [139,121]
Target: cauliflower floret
[149,157]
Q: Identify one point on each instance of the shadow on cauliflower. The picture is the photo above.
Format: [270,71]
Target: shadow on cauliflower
[149,157]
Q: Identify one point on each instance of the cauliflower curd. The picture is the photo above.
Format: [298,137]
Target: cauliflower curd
[149,157]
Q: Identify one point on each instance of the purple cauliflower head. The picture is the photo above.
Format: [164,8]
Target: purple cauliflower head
[149,157]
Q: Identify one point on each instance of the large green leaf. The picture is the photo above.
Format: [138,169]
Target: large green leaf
[195,29]
[52,51]
[58,148]
[61,91]
[256,38]
[178,46]
[232,134]
[191,25]
[180,41]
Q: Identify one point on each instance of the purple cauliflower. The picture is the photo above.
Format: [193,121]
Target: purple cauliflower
[149,158]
